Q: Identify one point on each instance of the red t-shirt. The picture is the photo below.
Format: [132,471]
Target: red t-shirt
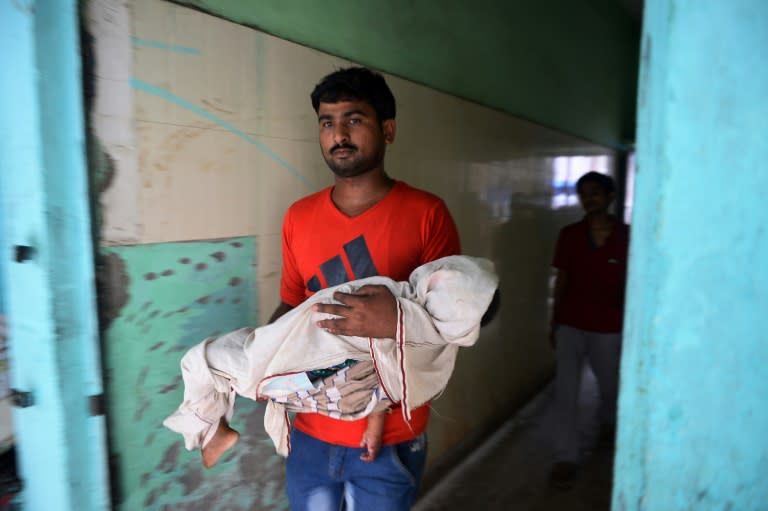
[322,247]
[594,297]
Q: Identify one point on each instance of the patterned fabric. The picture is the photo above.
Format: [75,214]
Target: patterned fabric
[354,389]
[317,374]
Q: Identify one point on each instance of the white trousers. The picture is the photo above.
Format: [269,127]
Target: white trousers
[603,352]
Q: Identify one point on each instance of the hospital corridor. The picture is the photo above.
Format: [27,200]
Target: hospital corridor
[175,170]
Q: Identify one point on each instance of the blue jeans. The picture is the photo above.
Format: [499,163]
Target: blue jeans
[322,476]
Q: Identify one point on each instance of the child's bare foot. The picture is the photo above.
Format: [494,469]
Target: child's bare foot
[372,437]
[224,438]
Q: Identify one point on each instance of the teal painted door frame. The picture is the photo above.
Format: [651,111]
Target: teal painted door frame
[47,251]
[693,406]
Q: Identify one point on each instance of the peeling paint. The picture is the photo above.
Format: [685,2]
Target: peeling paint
[158,320]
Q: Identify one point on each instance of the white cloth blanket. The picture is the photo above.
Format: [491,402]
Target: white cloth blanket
[439,309]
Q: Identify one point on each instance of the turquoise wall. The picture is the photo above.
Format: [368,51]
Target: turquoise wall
[164,298]
[49,287]
[693,424]
[567,65]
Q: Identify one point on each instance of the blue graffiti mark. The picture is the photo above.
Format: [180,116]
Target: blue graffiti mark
[141,85]
[165,46]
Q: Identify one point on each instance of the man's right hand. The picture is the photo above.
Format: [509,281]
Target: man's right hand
[370,311]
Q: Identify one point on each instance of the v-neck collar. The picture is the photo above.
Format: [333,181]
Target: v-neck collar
[388,196]
[588,232]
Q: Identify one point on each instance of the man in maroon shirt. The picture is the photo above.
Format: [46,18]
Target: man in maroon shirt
[591,262]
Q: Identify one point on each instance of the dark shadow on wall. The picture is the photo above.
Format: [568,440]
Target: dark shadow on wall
[520,244]
[100,169]
[523,248]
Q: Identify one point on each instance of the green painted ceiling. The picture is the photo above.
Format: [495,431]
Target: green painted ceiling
[569,65]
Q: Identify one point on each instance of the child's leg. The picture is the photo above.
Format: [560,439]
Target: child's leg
[221,441]
[212,370]
[204,401]
[371,440]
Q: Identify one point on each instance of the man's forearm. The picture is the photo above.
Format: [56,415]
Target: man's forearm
[281,309]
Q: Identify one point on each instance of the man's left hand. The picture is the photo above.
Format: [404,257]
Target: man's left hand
[371,311]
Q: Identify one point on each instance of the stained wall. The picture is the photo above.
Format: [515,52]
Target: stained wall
[202,136]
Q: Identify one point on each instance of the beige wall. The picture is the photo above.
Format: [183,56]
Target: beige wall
[211,134]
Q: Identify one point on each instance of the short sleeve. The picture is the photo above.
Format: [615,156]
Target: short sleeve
[441,238]
[292,287]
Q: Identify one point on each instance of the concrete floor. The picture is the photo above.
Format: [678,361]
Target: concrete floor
[510,470]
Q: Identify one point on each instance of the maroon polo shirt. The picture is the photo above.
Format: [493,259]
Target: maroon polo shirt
[594,297]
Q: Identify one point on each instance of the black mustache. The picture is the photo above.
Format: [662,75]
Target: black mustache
[343,146]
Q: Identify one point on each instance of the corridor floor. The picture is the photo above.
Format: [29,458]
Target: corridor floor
[510,470]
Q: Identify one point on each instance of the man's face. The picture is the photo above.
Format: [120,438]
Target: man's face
[593,198]
[352,139]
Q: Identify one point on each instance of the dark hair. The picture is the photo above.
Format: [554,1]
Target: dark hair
[603,181]
[356,83]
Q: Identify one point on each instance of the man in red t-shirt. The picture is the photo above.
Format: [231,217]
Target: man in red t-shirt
[365,224]
[591,263]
